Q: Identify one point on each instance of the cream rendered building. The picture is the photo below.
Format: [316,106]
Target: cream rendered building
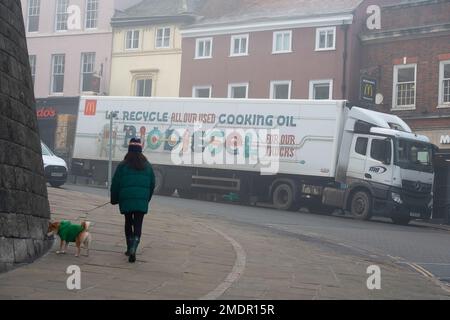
[146,53]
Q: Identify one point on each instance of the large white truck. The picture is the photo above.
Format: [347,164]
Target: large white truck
[290,153]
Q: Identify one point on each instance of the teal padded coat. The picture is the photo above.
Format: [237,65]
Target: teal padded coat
[132,189]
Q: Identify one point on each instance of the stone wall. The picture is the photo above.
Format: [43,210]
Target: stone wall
[24,208]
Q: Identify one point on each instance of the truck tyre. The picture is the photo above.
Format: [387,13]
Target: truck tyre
[283,198]
[361,205]
[403,221]
[186,194]
[159,182]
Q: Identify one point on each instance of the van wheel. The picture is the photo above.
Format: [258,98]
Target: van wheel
[361,205]
[283,198]
[56,184]
[401,220]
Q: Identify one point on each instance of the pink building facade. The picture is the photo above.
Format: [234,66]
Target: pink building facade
[69,45]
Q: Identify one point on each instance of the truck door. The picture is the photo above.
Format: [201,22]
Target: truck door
[379,161]
[358,157]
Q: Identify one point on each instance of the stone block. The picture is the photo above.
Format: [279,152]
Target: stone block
[22,226]
[20,250]
[6,250]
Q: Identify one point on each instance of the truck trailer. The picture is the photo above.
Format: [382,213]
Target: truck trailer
[321,154]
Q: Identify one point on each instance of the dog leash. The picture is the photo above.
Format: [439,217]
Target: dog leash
[86,213]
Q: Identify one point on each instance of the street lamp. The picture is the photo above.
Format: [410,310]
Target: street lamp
[112,116]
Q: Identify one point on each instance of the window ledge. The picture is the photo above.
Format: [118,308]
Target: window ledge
[444,106]
[410,108]
[202,58]
[325,49]
[238,55]
[281,52]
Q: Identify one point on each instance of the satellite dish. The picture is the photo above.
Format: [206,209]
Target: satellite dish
[379,99]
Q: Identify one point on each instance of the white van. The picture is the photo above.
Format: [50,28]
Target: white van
[55,168]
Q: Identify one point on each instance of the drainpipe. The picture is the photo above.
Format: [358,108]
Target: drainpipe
[344,62]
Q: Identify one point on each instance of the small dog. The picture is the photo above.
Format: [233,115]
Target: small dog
[69,232]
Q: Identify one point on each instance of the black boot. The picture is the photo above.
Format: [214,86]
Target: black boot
[133,249]
[129,241]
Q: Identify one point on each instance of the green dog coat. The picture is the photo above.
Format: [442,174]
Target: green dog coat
[68,231]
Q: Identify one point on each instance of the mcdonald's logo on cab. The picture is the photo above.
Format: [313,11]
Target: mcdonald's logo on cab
[90,107]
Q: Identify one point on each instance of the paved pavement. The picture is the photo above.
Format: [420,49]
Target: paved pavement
[187,255]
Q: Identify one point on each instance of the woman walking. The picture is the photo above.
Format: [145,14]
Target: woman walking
[132,188]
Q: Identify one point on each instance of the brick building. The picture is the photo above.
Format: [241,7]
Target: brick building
[409,59]
[270,49]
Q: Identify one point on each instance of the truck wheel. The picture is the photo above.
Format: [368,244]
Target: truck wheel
[167,192]
[361,205]
[283,198]
[403,221]
[186,194]
[159,182]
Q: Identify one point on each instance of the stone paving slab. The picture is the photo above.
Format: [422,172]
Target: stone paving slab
[187,256]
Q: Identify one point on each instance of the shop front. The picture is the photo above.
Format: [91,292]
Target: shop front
[441,138]
[57,123]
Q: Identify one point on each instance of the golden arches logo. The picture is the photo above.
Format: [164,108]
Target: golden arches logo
[368,90]
[90,107]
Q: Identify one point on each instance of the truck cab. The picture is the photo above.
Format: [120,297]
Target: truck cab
[388,170]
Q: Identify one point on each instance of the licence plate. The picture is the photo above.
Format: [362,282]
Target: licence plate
[56,174]
[415,214]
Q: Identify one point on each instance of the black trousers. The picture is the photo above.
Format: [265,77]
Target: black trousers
[133,224]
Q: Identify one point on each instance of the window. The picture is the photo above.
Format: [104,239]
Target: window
[132,40]
[381,150]
[33,15]
[282,41]
[238,90]
[61,15]
[326,39]
[321,89]
[361,146]
[280,89]
[32,59]
[58,64]
[444,84]
[162,38]
[201,92]
[203,48]
[144,87]
[91,14]
[404,87]
[87,70]
[239,45]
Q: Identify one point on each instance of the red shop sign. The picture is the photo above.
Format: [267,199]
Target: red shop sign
[46,113]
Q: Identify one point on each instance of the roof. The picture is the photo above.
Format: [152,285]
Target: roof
[235,11]
[159,8]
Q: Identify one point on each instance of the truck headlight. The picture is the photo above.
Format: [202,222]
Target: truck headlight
[396,197]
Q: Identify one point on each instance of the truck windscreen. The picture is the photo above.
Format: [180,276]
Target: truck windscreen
[414,155]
